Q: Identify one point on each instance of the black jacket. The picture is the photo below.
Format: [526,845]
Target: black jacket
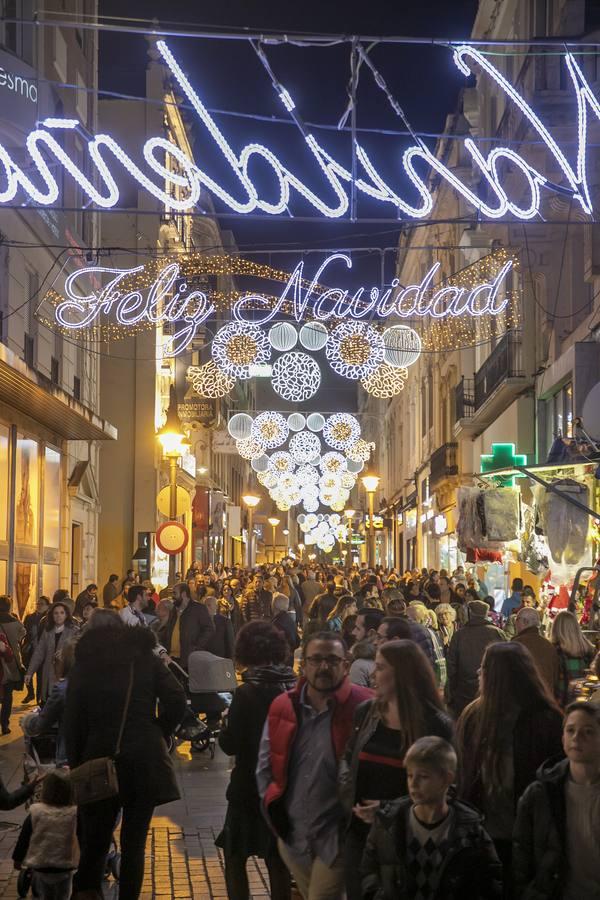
[539,837]
[470,870]
[285,623]
[243,730]
[195,629]
[222,640]
[95,700]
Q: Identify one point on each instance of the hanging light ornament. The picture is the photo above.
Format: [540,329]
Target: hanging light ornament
[341,430]
[354,349]
[315,422]
[283,336]
[237,346]
[334,463]
[307,475]
[261,464]
[310,505]
[270,429]
[296,422]
[209,381]
[402,346]
[313,336]
[355,466]
[385,381]
[304,445]
[281,462]
[296,377]
[348,479]
[248,448]
[361,450]
[240,426]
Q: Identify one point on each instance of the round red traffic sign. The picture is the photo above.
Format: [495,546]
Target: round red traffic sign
[172,537]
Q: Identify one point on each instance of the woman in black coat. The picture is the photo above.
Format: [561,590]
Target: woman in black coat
[261,650]
[105,655]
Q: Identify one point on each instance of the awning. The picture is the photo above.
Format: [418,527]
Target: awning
[36,396]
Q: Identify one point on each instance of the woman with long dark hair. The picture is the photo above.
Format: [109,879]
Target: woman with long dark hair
[346,606]
[59,630]
[261,650]
[504,736]
[406,706]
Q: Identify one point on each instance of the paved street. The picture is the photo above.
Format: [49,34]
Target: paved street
[182,861]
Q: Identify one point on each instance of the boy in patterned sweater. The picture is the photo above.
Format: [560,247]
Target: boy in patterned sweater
[428,846]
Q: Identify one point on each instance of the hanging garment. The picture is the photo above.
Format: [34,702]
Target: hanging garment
[502,514]
[566,527]
[468,527]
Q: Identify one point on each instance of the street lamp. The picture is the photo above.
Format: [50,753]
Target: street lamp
[349,514]
[251,501]
[273,522]
[173,442]
[371,483]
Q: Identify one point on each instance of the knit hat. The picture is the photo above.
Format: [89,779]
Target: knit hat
[478,609]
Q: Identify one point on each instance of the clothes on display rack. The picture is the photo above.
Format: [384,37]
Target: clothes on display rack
[502,514]
[565,526]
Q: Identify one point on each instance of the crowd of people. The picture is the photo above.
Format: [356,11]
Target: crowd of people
[392,736]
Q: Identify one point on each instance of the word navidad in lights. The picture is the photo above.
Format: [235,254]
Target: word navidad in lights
[187,179]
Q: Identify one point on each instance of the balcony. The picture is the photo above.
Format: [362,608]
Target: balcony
[443,464]
[499,381]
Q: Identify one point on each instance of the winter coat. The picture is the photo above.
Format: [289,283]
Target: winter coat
[42,660]
[283,726]
[284,623]
[470,869]
[536,736]
[221,643]
[242,732]
[95,700]
[366,719]
[195,629]
[464,660]
[14,632]
[49,838]
[544,654]
[256,605]
[539,838]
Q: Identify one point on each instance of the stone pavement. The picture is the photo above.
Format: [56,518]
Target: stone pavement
[181,858]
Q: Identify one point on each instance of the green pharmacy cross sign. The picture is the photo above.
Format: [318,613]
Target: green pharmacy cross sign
[503,456]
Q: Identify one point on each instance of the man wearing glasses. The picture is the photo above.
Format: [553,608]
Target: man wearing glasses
[303,740]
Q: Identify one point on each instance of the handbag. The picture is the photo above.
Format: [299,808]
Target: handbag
[96,779]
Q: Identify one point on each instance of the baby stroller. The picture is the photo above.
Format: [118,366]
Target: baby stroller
[211,684]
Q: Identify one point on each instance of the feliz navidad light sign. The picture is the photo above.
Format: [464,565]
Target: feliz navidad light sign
[170,298]
[37,182]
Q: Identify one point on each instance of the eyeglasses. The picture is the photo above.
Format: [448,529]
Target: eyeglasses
[330,661]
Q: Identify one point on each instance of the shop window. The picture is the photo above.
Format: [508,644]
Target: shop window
[51,498]
[25,591]
[50,580]
[4,481]
[560,418]
[27,491]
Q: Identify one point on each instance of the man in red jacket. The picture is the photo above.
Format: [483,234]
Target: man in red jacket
[302,742]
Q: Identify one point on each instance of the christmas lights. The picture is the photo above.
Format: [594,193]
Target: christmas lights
[304,445]
[209,381]
[172,168]
[235,348]
[270,429]
[341,430]
[385,381]
[296,377]
[315,422]
[240,426]
[283,336]
[296,422]
[281,461]
[354,349]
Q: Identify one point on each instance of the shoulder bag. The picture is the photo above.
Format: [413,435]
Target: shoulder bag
[96,779]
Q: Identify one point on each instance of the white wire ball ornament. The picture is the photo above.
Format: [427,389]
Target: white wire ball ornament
[240,426]
[209,381]
[312,521]
[270,429]
[311,504]
[313,336]
[261,464]
[354,349]
[341,430]
[283,336]
[360,451]
[237,346]
[402,346]
[338,505]
[281,462]
[348,480]
[268,479]
[248,448]
[333,463]
[355,466]
[385,381]
[307,475]
[304,445]
[330,483]
[296,422]
[296,377]
[315,422]
[309,491]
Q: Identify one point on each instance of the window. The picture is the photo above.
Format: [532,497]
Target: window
[27,491]
[15,36]
[76,387]
[29,350]
[4,484]
[51,498]
[560,413]
[54,370]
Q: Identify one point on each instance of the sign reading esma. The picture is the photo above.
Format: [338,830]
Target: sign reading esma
[39,181]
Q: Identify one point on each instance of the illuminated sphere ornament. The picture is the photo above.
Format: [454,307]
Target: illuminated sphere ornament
[312,521]
[281,462]
[296,422]
[341,431]
[355,466]
[354,349]
[296,377]
[240,426]
[283,336]
[313,336]
[311,505]
[333,463]
[304,445]
[315,422]
[261,463]
[307,475]
[385,381]
[248,448]
[209,381]
[270,429]
[237,346]
[361,450]
[348,480]
[402,346]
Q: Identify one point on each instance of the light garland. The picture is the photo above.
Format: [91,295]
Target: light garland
[209,381]
[341,430]
[354,349]
[235,348]
[385,381]
[270,429]
[296,377]
[304,445]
